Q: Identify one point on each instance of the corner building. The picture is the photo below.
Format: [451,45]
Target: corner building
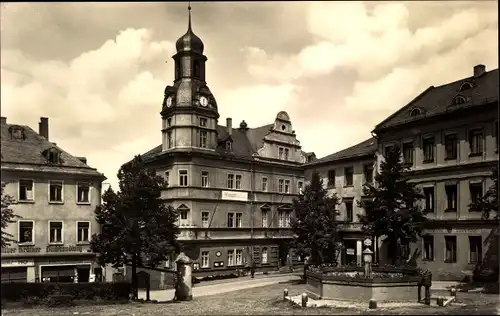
[233,186]
[55,195]
[449,138]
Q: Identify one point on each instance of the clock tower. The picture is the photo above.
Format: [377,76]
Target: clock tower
[189,111]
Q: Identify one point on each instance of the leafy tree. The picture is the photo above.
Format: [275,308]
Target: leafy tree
[8,217]
[136,225]
[391,209]
[315,223]
[488,203]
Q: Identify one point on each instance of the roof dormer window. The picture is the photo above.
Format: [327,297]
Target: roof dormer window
[53,156]
[229,146]
[459,100]
[466,85]
[17,132]
[415,112]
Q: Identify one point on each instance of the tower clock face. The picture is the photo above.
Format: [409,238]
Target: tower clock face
[169,101]
[203,101]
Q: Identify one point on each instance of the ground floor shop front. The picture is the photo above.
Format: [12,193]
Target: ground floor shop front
[51,269]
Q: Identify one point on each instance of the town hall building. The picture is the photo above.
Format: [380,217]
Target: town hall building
[232,185]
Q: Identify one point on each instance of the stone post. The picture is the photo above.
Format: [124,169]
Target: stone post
[184,287]
[285,294]
[304,300]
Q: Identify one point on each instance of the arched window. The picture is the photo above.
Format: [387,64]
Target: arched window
[264,255]
[196,68]
[415,112]
[466,85]
[459,100]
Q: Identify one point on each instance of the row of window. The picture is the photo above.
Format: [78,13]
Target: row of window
[26,191]
[450,255]
[234,182]
[451,191]
[234,257]
[349,175]
[451,146]
[26,232]
[234,220]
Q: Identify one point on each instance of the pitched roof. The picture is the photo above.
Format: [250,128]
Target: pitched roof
[28,150]
[363,149]
[440,100]
[246,142]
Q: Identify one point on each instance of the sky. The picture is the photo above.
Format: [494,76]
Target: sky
[98,70]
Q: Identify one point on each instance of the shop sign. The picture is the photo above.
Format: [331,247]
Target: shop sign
[350,251]
[50,248]
[17,263]
[234,195]
[25,249]
[70,248]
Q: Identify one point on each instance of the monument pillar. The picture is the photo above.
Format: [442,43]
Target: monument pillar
[184,286]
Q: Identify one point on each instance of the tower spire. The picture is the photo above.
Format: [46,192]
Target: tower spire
[189,22]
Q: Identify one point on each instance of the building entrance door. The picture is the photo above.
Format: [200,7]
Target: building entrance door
[350,255]
[284,250]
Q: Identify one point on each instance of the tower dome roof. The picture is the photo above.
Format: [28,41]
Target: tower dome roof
[189,42]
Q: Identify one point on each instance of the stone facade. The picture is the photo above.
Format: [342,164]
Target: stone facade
[55,196]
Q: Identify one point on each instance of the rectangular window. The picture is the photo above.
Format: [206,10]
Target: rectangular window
[264,218]
[281,220]
[184,214]
[264,255]
[300,186]
[204,219]
[348,174]
[169,122]
[204,259]
[203,139]
[348,211]
[475,249]
[55,191]
[476,192]
[387,149]
[26,190]
[230,257]
[167,178]
[428,245]
[368,173]
[451,249]
[476,142]
[331,178]
[408,153]
[26,232]
[287,219]
[203,122]
[429,199]
[238,182]
[183,178]
[204,179]
[287,153]
[83,231]
[451,198]
[83,192]
[170,142]
[230,219]
[230,181]
[280,153]
[56,232]
[239,257]
[287,186]
[264,184]
[281,185]
[238,219]
[428,144]
[450,145]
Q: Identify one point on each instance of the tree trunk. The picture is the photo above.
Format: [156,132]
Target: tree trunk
[135,291]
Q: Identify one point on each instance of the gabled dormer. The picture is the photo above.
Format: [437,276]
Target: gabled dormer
[52,155]
[226,144]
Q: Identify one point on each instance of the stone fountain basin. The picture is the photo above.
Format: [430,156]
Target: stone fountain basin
[348,288]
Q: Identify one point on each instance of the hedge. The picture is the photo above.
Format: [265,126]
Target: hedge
[16,292]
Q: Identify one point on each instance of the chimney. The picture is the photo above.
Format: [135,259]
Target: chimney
[82,159]
[479,70]
[229,125]
[43,127]
[3,120]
